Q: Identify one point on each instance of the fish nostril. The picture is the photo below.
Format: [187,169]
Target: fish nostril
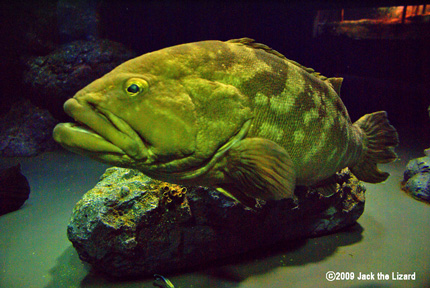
[93,98]
[86,101]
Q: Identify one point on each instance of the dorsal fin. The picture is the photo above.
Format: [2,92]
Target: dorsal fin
[336,83]
[251,43]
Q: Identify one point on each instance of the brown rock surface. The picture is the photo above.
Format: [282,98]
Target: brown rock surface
[131,225]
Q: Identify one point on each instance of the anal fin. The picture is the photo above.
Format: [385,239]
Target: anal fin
[327,187]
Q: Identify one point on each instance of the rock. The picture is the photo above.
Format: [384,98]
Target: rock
[58,76]
[416,178]
[131,225]
[14,189]
[26,131]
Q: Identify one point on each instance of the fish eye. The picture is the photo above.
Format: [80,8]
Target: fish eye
[135,86]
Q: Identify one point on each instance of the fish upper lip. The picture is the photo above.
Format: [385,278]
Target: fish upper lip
[107,125]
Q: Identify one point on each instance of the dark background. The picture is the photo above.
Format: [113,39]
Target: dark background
[391,75]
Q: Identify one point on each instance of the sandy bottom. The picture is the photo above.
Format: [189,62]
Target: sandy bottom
[392,236]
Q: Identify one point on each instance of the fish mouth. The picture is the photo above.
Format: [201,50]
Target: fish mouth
[98,131]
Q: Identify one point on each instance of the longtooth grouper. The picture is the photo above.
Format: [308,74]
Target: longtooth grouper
[234,115]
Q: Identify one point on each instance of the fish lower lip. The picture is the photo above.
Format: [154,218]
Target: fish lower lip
[78,138]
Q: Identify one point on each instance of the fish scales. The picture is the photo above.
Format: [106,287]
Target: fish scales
[287,99]
[235,115]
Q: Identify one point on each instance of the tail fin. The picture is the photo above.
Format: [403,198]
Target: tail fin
[379,147]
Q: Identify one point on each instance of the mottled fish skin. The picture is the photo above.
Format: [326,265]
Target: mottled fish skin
[235,115]
[298,110]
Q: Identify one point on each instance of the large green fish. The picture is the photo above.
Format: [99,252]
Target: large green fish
[234,115]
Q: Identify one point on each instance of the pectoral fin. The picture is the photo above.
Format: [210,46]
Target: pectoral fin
[259,168]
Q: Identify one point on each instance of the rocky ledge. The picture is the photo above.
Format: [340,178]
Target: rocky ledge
[131,225]
[26,130]
[54,78]
[416,178]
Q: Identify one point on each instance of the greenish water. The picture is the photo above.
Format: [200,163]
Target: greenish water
[392,236]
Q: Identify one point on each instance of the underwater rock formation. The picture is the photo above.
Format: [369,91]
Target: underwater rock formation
[14,189]
[26,131]
[416,178]
[58,76]
[131,225]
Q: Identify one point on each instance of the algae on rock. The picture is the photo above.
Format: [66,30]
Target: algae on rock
[131,225]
